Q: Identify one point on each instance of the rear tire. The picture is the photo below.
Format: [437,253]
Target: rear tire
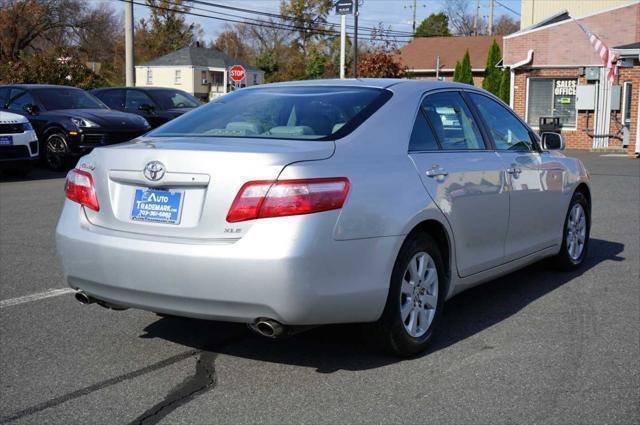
[575,238]
[416,298]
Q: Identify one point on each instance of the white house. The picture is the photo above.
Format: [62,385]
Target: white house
[200,71]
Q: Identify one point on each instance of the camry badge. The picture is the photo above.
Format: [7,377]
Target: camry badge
[154,170]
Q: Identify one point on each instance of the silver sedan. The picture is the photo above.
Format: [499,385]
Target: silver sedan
[299,204]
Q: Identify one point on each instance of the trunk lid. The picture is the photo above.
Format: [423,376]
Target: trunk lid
[206,172]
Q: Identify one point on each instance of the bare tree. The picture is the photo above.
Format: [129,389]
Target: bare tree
[505,25]
[462,18]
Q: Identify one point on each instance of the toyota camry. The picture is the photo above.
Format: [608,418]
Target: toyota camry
[299,204]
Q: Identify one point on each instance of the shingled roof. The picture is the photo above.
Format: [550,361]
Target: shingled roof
[198,56]
[421,52]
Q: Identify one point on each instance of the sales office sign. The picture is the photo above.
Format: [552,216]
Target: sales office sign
[565,88]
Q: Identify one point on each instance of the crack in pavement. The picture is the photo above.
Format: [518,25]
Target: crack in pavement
[99,386]
[204,379]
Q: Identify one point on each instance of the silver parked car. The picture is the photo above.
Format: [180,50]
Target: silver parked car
[308,203]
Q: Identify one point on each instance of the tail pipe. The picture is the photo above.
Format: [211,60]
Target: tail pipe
[84,298]
[271,328]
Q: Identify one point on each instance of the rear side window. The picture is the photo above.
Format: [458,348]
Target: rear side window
[452,121]
[312,113]
[114,99]
[422,138]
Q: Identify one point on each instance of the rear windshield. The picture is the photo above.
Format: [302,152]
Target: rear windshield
[314,113]
[67,98]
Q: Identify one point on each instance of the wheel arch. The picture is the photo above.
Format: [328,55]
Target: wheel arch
[438,231]
[584,189]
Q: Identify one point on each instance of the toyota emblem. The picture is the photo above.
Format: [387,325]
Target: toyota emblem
[154,170]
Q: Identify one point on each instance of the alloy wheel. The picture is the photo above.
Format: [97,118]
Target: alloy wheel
[419,294]
[55,150]
[576,232]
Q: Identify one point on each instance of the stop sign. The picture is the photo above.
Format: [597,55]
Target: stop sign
[237,73]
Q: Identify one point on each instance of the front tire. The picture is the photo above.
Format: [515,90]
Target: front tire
[416,298]
[56,151]
[575,240]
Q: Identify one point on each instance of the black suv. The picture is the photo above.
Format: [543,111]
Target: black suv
[156,104]
[69,122]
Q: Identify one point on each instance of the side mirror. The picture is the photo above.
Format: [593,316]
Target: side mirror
[146,108]
[552,141]
[31,109]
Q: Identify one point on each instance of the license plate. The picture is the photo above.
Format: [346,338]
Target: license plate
[160,206]
[6,140]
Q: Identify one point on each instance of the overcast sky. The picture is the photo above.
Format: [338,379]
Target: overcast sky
[394,13]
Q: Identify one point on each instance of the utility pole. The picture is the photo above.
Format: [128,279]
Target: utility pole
[490,17]
[355,40]
[128,43]
[475,19]
[343,43]
[415,6]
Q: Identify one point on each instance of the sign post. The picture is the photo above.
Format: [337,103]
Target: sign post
[343,8]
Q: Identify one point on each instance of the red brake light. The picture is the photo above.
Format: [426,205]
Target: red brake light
[79,188]
[262,199]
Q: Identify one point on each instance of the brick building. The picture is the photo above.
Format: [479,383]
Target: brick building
[423,55]
[556,73]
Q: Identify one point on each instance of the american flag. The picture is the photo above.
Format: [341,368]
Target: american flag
[609,58]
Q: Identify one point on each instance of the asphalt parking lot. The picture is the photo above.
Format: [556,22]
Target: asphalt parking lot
[535,346]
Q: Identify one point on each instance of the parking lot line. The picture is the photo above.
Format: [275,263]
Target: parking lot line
[35,297]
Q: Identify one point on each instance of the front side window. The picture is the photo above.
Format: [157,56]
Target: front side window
[135,99]
[114,99]
[507,131]
[169,99]
[18,99]
[67,98]
[452,121]
[551,97]
[313,113]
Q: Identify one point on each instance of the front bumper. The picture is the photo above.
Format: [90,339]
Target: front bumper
[24,147]
[84,141]
[278,270]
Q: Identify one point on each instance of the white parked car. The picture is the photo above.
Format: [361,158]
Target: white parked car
[18,143]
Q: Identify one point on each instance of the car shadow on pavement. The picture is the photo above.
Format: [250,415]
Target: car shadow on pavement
[344,347]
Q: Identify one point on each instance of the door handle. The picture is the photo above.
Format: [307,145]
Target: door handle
[436,172]
[515,171]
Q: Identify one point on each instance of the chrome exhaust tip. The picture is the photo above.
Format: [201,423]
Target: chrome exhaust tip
[268,328]
[83,298]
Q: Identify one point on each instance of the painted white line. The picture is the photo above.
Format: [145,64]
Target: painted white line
[35,297]
[616,155]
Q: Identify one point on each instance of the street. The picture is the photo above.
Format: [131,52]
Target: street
[536,346]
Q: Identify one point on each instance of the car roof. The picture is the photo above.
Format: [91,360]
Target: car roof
[381,83]
[41,86]
[137,88]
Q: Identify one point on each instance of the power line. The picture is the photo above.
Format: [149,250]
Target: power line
[508,8]
[261,23]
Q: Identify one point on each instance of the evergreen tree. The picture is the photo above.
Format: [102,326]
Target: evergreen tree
[492,75]
[466,75]
[436,24]
[505,86]
[456,72]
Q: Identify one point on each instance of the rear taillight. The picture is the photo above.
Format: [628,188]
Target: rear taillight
[79,188]
[262,199]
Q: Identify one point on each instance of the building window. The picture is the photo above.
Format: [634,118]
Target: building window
[552,97]
[178,77]
[255,79]
[203,77]
[149,76]
[626,105]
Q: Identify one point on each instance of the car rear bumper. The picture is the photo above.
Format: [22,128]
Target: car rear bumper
[277,270]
